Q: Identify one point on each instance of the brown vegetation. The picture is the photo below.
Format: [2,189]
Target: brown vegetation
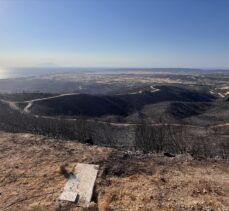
[30,177]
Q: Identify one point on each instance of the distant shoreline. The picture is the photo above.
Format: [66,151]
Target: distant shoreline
[40,71]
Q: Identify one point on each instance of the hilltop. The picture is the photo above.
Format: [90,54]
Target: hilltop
[31,177]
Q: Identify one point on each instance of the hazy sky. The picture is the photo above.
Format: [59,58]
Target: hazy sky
[116,33]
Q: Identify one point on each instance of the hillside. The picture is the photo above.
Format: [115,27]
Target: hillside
[120,105]
[24,96]
[30,177]
[181,110]
[189,122]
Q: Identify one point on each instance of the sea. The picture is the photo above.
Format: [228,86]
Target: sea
[39,71]
[6,73]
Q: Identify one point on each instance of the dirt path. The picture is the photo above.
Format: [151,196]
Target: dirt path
[30,102]
[13,105]
[131,124]
[154,89]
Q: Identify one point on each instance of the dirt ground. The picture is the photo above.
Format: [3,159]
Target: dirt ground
[31,177]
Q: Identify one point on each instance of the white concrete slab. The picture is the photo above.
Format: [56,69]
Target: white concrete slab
[68,196]
[86,174]
[81,184]
[70,190]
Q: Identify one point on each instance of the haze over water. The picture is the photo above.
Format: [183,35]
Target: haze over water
[39,71]
[27,72]
[14,73]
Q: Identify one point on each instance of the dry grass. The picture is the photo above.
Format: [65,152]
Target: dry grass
[30,177]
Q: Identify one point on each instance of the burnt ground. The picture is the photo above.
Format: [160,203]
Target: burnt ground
[33,172]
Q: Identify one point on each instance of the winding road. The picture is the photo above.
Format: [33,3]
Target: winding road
[30,102]
[13,105]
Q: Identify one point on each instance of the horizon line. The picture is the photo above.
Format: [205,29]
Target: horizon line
[118,67]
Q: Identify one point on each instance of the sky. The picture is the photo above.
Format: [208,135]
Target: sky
[114,33]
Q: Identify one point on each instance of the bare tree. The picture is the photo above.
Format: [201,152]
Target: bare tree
[145,137]
[83,131]
[160,137]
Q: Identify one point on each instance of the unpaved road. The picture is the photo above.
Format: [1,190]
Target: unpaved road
[30,102]
[13,105]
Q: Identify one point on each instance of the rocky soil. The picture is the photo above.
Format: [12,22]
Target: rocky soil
[32,176]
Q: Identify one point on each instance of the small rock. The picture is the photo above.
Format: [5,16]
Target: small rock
[162,179]
[204,191]
[167,154]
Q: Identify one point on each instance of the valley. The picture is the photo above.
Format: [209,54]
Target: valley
[173,103]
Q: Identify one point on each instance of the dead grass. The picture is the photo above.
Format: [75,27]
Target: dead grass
[30,177]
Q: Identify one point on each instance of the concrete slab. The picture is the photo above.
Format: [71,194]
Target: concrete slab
[81,184]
